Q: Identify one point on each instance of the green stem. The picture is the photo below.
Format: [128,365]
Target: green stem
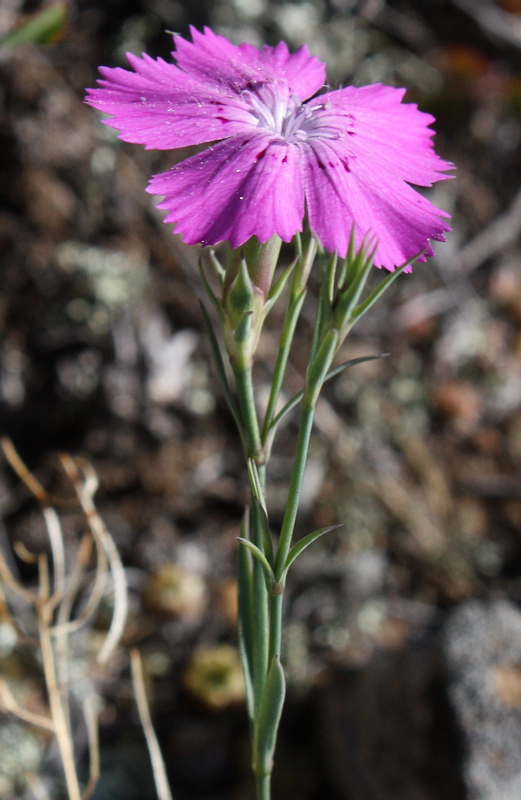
[244,383]
[296,299]
[275,612]
[307,413]
[260,615]
[263,787]
[286,339]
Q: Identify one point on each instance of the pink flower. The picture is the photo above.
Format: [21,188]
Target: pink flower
[344,158]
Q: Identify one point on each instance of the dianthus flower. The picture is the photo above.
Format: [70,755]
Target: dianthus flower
[278,151]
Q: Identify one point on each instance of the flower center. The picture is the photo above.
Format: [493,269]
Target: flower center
[282,114]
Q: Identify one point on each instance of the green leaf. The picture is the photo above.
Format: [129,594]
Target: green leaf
[268,718]
[350,297]
[297,241]
[323,313]
[209,291]
[261,558]
[276,289]
[42,27]
[319,367]
[351,363]
[381,288]
[300,546]
[218,268]
[245,603]
[221,371]
[255,483]
[295,400]
[260,519]
[349,264]
[329,275]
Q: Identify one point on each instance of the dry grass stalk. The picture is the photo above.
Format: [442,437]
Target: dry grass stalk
[53,606]
[89,711]
[158,766]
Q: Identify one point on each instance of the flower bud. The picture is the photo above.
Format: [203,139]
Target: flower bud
[243,305]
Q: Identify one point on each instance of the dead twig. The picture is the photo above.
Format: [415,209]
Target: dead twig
[55,534]
[85,490]
[10,704]
[53,605]
[91,721]
[58,711]
[158,766]
[15,586]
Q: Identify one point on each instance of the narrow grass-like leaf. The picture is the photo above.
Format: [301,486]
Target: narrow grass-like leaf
[260,518]
[255,483]
[290,322]
[300,546]
[217,266]
[221,371]
[346,273]
[319,367]
[297,241]
[322,313]
[351,363]
[277,288]
[381,288]
[330,274]
[295,400]
[245,603]
[261,558]
[208,289]
[350,297]
[268,718]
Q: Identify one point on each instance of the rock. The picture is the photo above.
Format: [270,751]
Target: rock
[176,592]
[387,728]
[20,756]
[482,646]
[214,676]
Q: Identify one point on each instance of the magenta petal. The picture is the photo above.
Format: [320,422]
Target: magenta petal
[215,60]
[305,74]
[163,108]
[243,187]
[388,134]
[343,194]
[349,154]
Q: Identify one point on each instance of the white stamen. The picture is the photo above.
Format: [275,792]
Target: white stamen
[273,110]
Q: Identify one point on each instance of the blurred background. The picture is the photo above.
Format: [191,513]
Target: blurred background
[403,637]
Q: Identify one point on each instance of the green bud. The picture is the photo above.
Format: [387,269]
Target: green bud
[262,258]
[243,305]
